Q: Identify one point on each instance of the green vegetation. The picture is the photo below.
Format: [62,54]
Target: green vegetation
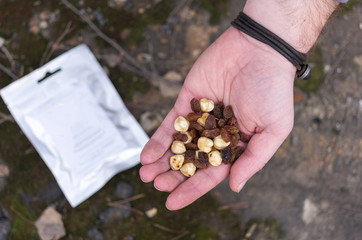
[216,8]
[315,60]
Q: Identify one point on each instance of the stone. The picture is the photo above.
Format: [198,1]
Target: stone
[50,225]
[151,212]
[2,41]
[170,89]
[197,39]
[4,170]
[150,121]
[173,76]
[123,190]
[112,59]
[144,58]
[112,213]
[358,60]
[95,234]
[5,224]
[51,192]
[310,211]
[99,17]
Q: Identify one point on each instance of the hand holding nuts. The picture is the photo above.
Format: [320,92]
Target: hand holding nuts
[209,134]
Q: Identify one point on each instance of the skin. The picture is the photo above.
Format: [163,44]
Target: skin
[252,77]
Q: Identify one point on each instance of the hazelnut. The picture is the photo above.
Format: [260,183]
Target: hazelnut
[188,169]
[178,147]
[215,158]
[202,119]
[219,143]
[205,144]
[189,138]
[206,105]
[176,162]
[181,124]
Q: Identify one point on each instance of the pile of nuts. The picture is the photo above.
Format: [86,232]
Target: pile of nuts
[208,135]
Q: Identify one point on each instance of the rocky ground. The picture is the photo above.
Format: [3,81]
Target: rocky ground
[309,190]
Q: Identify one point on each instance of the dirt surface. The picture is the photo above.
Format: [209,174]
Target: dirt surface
[313,183]
[309,190]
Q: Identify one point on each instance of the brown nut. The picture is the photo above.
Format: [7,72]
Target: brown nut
[202,119]
[219,143]
[195,105]
[188,136]
[226,154]
[176,162]
[211,133]
[181,124]
[196,126]
[188,169]
[178,147]
[210,122]
[228,112]
[191,146]
[193,116]
[205,144]
[206,105]
[218,109]
[180,137]
[215,158]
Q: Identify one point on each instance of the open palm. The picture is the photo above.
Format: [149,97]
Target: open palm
[258,83]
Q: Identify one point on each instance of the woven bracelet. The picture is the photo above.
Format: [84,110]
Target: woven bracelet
[248,26]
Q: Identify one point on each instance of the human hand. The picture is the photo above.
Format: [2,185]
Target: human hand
[258,83]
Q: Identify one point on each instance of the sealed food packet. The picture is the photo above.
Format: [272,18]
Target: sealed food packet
[77,122]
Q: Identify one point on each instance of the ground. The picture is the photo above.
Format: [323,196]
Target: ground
[309,190]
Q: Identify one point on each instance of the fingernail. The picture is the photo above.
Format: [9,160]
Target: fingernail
[241,186]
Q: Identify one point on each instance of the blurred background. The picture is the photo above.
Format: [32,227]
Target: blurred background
[311,189]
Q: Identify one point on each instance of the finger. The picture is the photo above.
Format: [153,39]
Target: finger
[196,186]
[149,172]
[260,149]
[168,181]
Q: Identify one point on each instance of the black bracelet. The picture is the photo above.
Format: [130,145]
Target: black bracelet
[257,31]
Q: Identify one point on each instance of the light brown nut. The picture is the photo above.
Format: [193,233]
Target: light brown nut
[178,147]
[188,169]
[215,158]
[205,144]
[202,119]
[176,162]
[219,143]
[181,124]
[206,105]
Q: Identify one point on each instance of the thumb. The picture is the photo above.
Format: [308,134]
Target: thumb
[260,149]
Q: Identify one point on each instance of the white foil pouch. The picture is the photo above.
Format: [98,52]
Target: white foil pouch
[77,122]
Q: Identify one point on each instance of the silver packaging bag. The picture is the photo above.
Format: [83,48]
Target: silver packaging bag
[75,119]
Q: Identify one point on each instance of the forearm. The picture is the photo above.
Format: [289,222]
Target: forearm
[298,22]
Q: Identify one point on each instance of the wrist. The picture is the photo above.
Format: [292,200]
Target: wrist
[299,23]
